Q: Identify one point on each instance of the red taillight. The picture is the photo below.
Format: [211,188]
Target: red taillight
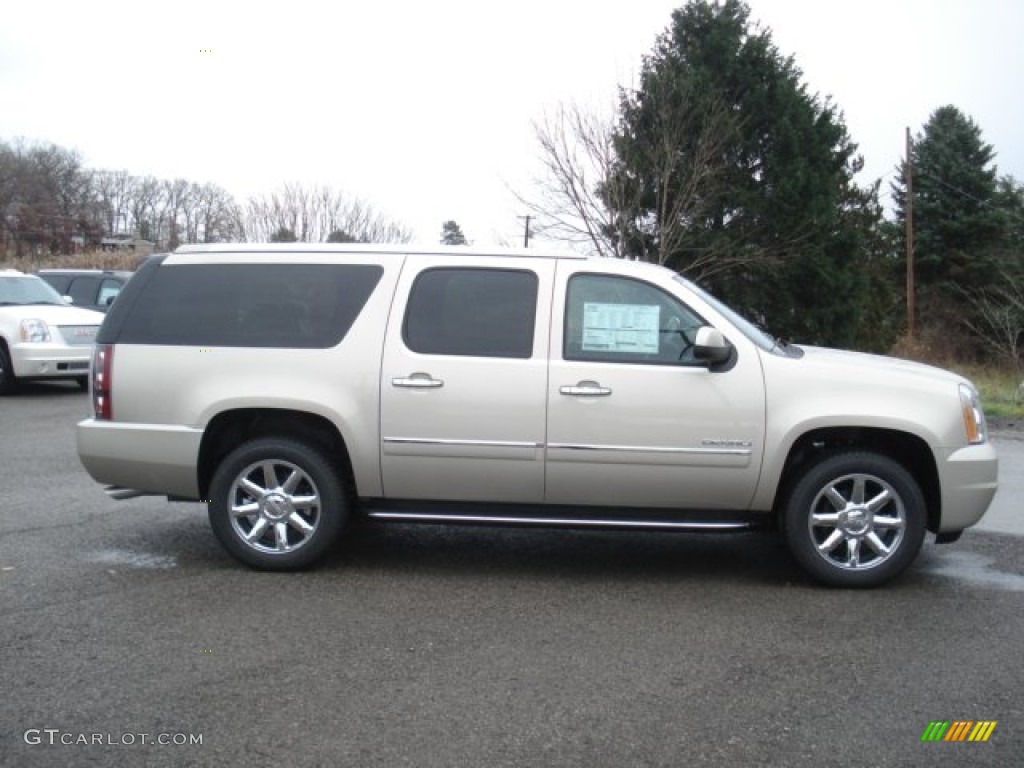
[102,363]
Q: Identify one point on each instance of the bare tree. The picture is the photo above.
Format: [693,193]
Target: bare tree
[175,200]
[589,195]
[113,191]
[316,214]
[45,195]
[145,200]
[998,317]
[580,193]
[689,159]
[219,216]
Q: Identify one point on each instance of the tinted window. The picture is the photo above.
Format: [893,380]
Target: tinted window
[59,282]
[249,305]
[474,312]
[83,291]
[621,320]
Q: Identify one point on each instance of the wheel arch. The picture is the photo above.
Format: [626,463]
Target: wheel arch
[906,449]
[229,429]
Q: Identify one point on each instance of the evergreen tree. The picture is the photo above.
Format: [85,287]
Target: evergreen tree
[960,219]
[283,235]
[777,201]
[451,234]
[340,236]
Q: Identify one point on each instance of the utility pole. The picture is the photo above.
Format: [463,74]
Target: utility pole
[526,231]
[909,172]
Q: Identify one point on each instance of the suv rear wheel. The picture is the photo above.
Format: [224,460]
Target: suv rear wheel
[276,504]
[855,519]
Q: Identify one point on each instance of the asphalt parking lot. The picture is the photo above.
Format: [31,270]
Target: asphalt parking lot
[125,626]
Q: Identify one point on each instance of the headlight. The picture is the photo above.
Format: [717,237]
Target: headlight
[34,330]
[974,417]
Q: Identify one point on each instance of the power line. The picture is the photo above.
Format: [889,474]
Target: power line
[968,195]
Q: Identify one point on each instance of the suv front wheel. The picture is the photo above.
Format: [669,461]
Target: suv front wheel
[855,519]
[276,504]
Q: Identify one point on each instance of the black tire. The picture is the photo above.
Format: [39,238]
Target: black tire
[297,507]
[847,537]
[8,381]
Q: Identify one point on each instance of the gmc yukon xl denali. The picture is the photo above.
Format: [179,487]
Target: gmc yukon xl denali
[291,387]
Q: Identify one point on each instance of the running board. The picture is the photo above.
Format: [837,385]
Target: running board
[570,522]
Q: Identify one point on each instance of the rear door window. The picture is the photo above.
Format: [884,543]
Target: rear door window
[472,312]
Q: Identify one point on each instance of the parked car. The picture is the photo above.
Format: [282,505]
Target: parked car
[41,336]
[291,387]
[88,288]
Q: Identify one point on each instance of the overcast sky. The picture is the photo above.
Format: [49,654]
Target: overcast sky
[424,108]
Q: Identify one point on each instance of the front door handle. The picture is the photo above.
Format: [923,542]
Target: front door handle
[586,389]
[417,381]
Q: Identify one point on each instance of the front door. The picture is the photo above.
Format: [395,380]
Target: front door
[633,418]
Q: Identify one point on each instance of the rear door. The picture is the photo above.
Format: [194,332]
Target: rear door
[464,380]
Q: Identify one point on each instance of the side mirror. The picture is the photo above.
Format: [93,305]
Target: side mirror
[68,299]
[711,346]
[109,300]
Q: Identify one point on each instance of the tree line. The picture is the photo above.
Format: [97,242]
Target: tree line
[50,202]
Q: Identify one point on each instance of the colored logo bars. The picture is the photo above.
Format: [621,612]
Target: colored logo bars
[958,730]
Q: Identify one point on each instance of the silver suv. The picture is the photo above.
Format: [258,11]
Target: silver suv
[291,387]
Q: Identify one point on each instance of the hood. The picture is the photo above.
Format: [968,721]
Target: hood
[863,365]
[52,314]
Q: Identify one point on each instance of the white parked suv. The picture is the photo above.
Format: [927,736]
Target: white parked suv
[41,336]
[291,387]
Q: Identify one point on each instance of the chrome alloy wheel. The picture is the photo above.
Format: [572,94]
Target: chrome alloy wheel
[857,522]
[275,506]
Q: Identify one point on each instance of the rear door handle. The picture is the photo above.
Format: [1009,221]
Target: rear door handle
[586,389]
[417,381]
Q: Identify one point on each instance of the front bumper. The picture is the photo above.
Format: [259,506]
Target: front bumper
[968,479]
[45,360]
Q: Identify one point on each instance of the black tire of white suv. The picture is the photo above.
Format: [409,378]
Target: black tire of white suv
[855,519]
[277,504]
[8,381]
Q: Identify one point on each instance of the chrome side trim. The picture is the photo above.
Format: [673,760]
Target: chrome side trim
[469,443]
[426,517]
[652,449]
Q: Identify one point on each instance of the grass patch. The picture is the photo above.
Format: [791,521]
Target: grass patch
[90,260]
[1002,395]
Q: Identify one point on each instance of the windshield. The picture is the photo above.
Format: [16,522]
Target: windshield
[747,328]
[26,289]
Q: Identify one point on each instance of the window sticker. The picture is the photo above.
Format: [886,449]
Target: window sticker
[631,328]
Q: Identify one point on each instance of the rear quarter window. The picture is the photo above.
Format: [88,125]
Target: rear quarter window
[305,306]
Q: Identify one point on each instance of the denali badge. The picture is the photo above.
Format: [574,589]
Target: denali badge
[714,443]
